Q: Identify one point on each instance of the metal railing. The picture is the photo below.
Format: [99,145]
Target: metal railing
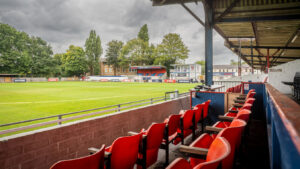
[227,84]
[103,110]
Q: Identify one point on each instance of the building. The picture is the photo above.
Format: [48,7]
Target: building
[223,72]
[108,70]
[186,72]
[7,78]
[153,73]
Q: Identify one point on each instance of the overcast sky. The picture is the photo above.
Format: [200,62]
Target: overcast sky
[66,22]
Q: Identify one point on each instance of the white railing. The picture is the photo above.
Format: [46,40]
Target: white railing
[227,84]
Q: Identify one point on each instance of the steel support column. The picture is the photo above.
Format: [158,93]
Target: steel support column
[240,60]
[252,70]
[208,42]
[268,62]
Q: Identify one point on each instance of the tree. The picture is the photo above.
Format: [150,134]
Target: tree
[24,55]
[41,54]
[93,50]
[113,54]
[233,62]
[143,33]
[170,51]
[137,52]
[202,63]
[58,69]
[74,61]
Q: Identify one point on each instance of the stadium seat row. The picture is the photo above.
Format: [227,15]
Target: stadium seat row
[217,147]
[141,148]
[235,89]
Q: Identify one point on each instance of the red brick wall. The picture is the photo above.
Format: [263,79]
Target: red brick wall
[40,149]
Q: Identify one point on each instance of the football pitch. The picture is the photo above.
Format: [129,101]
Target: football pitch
[25,101]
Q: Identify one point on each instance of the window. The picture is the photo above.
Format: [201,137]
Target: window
[106,70]
[132,70]
[110,69]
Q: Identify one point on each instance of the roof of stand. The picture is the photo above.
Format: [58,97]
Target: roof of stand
[170,2]
[270,24]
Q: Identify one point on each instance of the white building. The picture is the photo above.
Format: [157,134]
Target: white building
[185,72]
[223,72]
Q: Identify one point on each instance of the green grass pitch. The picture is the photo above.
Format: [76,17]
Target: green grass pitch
[24,101]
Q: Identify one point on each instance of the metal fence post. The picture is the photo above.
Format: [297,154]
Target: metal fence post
[119,107]
[59,118]
[151,101]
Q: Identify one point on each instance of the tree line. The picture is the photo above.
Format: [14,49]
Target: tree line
[31,56]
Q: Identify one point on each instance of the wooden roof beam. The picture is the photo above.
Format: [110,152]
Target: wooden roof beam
[264,62]
[193,14]
[268,47]
[286,45]
[261,18]
[286,57]
[232,5]
[254,28]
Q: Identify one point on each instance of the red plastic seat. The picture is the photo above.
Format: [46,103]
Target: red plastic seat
[250,94]
[186,126]
[219,150]
[205,113]
[248,101]
[239,88]
[242,115]
[124,152]
[198,110]
[180,163]
[205,108]
[246,106]
[94,161]
[172,124]
[232,134]
[155,134]
[235,89]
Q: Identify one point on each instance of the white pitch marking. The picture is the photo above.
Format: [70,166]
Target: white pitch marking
[55,101]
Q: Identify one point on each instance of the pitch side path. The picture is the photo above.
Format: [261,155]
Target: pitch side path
[25,101]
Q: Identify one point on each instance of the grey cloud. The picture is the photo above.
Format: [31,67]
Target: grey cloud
[67,22]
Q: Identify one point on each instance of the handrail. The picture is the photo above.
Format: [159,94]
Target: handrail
[288,110]
[227,84]
[61,119]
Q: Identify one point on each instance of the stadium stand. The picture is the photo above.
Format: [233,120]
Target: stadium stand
[215,148]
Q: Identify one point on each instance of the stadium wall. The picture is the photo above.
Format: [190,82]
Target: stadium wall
[41,148]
